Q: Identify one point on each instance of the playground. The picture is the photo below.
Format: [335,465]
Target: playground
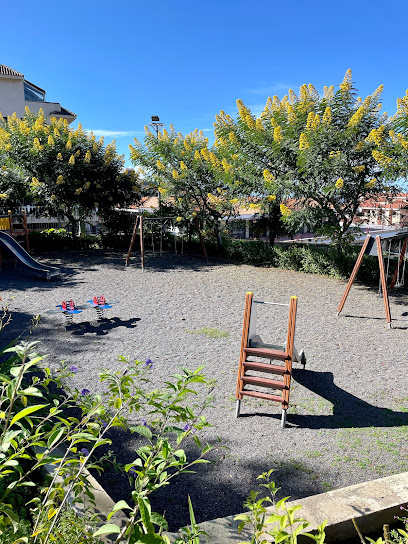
[347,419]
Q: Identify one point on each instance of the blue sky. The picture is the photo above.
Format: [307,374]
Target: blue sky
[117,63]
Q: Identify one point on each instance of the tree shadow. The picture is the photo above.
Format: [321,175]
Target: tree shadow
[102,327]
[348,410]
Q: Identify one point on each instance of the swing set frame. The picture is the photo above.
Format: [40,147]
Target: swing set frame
[371,248]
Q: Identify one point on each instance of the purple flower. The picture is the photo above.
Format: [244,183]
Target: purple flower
[132,470]
[73,368]
[85,392]
[85,452]
[188,427]
[149,364]
[144,423]
[104,424]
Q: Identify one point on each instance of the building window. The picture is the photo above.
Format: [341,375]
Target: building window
[32,93]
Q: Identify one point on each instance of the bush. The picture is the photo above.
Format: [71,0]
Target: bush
[60,240]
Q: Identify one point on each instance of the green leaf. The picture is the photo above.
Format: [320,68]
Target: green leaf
[144,507]
[11,515]
[120,505]
[107,529]
[145,431]
[26,412]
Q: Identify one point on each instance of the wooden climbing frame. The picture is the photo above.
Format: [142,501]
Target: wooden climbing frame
[282,358]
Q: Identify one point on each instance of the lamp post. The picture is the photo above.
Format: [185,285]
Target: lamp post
[156,124]
[156,127]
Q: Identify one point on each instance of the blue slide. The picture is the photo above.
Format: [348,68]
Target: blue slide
[21,255]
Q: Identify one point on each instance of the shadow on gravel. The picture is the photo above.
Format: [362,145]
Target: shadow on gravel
[348,410]
[102,327]
[217,489]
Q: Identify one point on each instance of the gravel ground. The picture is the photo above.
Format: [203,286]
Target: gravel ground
[348,418]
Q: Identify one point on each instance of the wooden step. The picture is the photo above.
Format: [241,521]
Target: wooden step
[267,353]
[265,367]
[264,396]
[263,382]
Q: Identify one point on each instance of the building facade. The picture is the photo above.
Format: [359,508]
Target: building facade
[16,93]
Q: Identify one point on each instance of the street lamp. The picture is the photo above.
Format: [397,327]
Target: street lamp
[156,127]
[156,124]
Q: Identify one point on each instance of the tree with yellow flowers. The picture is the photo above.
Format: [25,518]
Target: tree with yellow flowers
[317,151]
[183,169]
[68,174]
[392,153]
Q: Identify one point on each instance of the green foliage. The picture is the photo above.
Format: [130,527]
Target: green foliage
[318,152]
[67,173]
[60,240]
[282,525]
[184,170]
[37,429]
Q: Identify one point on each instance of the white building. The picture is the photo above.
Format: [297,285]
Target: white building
[16,93]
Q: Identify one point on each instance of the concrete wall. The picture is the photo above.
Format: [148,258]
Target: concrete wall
[11,96]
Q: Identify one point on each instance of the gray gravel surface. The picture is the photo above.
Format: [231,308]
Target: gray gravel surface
[348,418]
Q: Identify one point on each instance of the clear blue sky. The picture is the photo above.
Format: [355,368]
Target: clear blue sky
[117,63]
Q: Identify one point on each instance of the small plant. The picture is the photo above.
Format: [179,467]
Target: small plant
[282,525]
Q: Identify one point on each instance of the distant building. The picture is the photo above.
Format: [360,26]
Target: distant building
[16,93]
[385,210]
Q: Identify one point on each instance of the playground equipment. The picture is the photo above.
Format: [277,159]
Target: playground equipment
[253,346]
[100,305]
[140,224]
[68,309]
[7,224]
[394,245]
[13,247]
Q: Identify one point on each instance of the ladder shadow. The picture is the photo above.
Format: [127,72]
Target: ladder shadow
[348,410]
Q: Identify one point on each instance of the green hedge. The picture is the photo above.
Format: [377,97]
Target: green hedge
[60,240]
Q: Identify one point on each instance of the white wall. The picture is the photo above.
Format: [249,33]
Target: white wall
[11,96]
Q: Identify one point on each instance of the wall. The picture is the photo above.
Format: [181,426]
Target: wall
[11,96]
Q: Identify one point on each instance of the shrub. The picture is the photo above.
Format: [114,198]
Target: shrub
[60,239]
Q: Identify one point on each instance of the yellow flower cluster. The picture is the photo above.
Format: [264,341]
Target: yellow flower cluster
[334,154]
[359,146]
[402,105]
[359,169]
[346,85]
[271,198]
[327,116]
[268,176]
[371,183]
[303,143]
[292,97]
[380,157]
[175,174]
[400,139]
[328,92]
[305,98]
[376,135]
[187,146]
[197,155]
[205,153]
[160,165]
[291,114]
[78,191]
[60,180]
[77,153]
[277,134]
[69,144]
[87,157]
[259,125]
[183,165]
[253,206]
[213,199]
[51,140]
[232,138]
[87,185]
[35,182]
[356,117]
[36,145]
[339,183]
[71,160]
[227,167]
[285,211]
[234,201]
[162,191]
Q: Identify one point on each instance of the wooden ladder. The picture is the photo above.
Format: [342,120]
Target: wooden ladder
[282,366]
